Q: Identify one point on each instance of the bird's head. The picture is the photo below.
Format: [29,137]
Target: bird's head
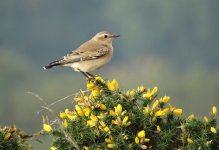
[104,37]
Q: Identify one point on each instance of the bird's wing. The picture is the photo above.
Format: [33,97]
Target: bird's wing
[87,51]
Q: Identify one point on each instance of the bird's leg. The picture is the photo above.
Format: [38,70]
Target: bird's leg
[91,77]
[90,74]
[84,74]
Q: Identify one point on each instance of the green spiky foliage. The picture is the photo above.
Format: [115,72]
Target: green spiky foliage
[104,117]
[12,138]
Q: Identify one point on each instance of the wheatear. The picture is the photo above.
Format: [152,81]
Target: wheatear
[90,56]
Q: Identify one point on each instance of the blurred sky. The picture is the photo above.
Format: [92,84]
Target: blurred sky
[171,44]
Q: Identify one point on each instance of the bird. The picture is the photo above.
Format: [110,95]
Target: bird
[90,56]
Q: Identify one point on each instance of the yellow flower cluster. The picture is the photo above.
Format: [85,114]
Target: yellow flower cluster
[113,85]
[85,106]
[151,94]
[13,138]
[213,114]
[67,115]
[141,138]
[121,118]
[9,133]
[110,143]
[156,110]
[110,114]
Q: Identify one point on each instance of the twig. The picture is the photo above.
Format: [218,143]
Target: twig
[46,107]
[53,103]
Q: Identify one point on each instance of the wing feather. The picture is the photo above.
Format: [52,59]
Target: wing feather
[88,51]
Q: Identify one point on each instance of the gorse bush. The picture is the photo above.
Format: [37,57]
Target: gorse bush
[104,117]
[12,138]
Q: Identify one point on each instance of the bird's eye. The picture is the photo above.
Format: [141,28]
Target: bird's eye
[105,36]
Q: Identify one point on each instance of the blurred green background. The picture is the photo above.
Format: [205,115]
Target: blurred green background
[170,44]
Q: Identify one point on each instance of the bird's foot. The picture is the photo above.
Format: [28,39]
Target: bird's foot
[90,79]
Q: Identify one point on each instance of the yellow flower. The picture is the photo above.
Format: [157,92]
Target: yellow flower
[63,115]
[125,137]
[53,148]
[70,115]
[113,85]
[214,111]
[79,110]
[7,136]
[171,108]
[141,134]
[124,121]
[93,121]
[108,140]
[102,107]
[106,129]
[85,98]
[177,112]
[102,123]
[154,91]
[166,110]
[90,85]
[85,148]
[99,78]
[112,113]
[130,93]
[205,119]
[136,140]
[116,122]
[47,127]
[101,116]
[160,113]
[155,105]
[191,117]
[65,123]
[118,109]
[165,99]
[95,92]
[148,95]
[78,98]
[158,129]
[111,145]
[146,140]
[87,111]
[66,111]
[213,130]
[140,89]
[189,140]
[146,110]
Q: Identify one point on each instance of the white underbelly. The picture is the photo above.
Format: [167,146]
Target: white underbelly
[90,65]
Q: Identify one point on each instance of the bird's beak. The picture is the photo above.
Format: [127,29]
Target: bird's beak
[115,36]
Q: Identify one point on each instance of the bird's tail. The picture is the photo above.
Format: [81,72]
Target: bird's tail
[53,64]
[48,67]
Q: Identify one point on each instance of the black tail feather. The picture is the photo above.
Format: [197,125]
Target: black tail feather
[52,64]
[48,67]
